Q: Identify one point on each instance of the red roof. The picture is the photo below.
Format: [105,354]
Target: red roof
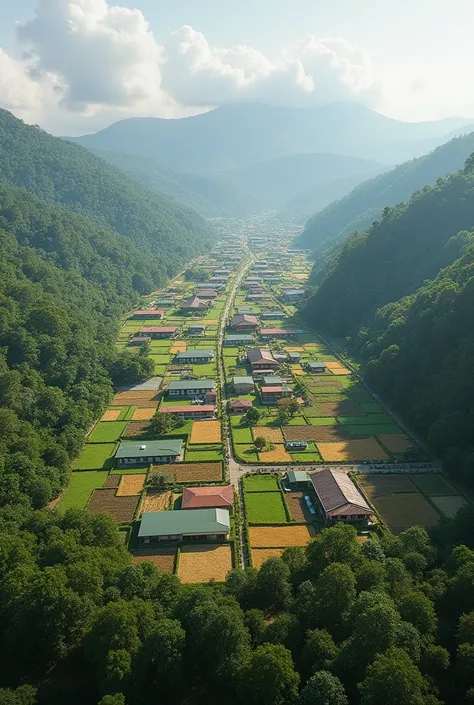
[271,390]
[201,497]
[182,409]
[159,329]
[242,403]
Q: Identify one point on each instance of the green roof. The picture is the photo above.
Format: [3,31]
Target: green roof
[272,381]
[148,449]
[182,521]
[240,336]
[192,384]
[316,363]
[242,380]
[297,476]
[195,353]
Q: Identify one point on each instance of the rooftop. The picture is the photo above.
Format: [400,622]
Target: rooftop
[145,449]
[200,497]
[192,384]
[297,476]
[192,302]
[240,336]
[272,381]
[195,353]
[240,402]
[159,329]
[208,408]
[338,494]
[278,331]
[180,521]
[275,390]
[244,318]
[242,380]
[259,354]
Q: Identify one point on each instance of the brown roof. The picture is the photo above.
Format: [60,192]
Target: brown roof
[201,497]
[259,355]
[338,494]
[240,318]
[242,403]
[278,331]
[192,302]
[159,329]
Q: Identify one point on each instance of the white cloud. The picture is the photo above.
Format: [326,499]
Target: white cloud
[18,91]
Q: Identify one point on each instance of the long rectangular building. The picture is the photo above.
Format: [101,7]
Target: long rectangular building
[339,498]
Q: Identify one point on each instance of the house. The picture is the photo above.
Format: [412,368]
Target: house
[271,381]
[294,357]
[210,396]
[256,297]
[191,357]
[243,385]
[164,303]
[200,525]
[159,332]
[316,367]
[218,280]
[292,294]
[239,406]
[244,322]
[298,479]
[198,411]
[276,313]
[190,388]
[139,340]
[193,303]
[196,329]
[272,395]
[203,497]
[146,452]
[236,340]
[149,313]
[261,359]
[278,332]
[206,294]
[339,498]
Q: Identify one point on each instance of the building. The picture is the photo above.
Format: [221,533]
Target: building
[164,303]
[298,479]
[139,340]
[200,525]
[146,452]
[316,367]
[244,322]
[193,303]
[245,309]
[272,395]
[239,406]
[196,329]
[159,332]
[203,497]
[148,313]
[243,385]
[339,498]
[235,340]
[261,359]
[278,332]
[190,388]
[197,411]
[206,294]
[271,381]
[272,314]
[294,357]
[191,357]
[292,295]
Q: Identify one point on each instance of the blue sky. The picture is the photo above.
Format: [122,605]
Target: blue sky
[411,59]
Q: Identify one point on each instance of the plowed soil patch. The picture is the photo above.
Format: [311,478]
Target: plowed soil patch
[341,408]
[131,485]
[364,449]
[200,564]
[113,481]
[277,455]
[163,561]
[396,443]
[400,511]
[314,433]
[144,414]
[156,501]
[111,415]
[105,501]
[280,536]
[145,400]
[260,555]
[191,472]
[135,429]
[270,434]
[178,347]
[297,506]
[385,485]
[206,432]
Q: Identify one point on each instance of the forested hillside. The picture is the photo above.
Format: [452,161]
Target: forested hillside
[325,232]
[60,172]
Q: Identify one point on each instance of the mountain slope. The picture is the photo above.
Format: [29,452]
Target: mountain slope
[207,196]
[365,203]
[235,136]
[68,174]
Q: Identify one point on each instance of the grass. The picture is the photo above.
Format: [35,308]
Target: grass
[81,485]
[246,453]
[260,483]
[204,456]
[433,485]
[371,419]
[242,434]
[205,370]
[311,457]
[265,508]
[95,456]
[323,421]
[107,432]
[368,430]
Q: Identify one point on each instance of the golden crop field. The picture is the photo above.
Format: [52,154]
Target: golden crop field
[200,564]
[340,371]
[156,501]
[110,415]
[143,414]
[280,536]
[131,485]
[163,561]
[363,449]
[270,434]
[206,432]
[260,555]
[277,455]
[178,347]
[396,442]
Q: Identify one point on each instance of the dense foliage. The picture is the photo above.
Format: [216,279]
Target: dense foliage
[326,232]
[61,172]
[389,622]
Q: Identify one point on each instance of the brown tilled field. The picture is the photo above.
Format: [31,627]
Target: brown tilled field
[164,560]
[297,506]
[323,382]
[121,508]
[260,555]
[279,454]
[400,511]
[274,435]
[111,415]
[156,501]
[314,433]
[135,428]
[178,347]
[332,364]
[206,432]
[131,485]
[396,442]
[191,472]
[200,564]
[139,399]
[341,408]
[144,414]
[340,371]
[280,536]
[113,481]
[363,449]
[385,485]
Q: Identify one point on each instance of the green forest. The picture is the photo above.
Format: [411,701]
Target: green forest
[401,292]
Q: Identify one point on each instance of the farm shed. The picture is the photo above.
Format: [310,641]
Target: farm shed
[244,321]
[159,331]
[204,411]
[200,525]
[261,359]
[316,367]
[191,388]
[194,356]
[146,452]
[339,498]
[205,497]
[234,340]
[243,385]
[298,479]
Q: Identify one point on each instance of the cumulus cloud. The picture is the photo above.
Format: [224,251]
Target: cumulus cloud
[18,91]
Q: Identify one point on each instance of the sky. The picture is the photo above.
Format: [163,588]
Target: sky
[76,66]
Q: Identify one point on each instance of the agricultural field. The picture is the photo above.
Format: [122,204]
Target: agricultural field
[107,432]
[121,508]
[95,456]
[367,449]
[203,563]
[260,555]
[154,501]
[449,505]
[191,472]
[163,560]
[131,485]
[280,536]
[265,508]
[278,454]
[260,483]
[80,488]
[297,506]
[272,435]
[206,432]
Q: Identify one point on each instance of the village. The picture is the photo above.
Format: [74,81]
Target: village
[252,433]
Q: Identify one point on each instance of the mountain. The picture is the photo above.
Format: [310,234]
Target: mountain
[65,173]
[235,136]
[309,202]
[326,232]
[278,181]
[207,196]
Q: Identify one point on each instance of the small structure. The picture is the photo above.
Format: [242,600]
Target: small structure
[316,367]
[272,395]
[146,452]
[191,357]
[244,322]
[239,406]
[196,329]
[272,314]
[201,525]
[139,340]
[261,359]
[159,332]
[292,295]
[198,411]
[234,340]
[191,304]
[206,294]
[210,397]
[298,479]
[165,303]
[294,357]
[245,309]
[190,388]
[271,381]
[278,332]
[243,385]
[339,498]
[204,497]
[149,313]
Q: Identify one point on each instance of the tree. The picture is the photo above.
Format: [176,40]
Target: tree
[283,416]
[161,423]
[416,608]
[117,699]
[319,652]
[273,588]
[252,417]
[466,629]
[324,689]
[392,679]
[159,480]
[158,667]
[335,592]
[289,406]
[269,678]
[334,545]
[259,443]
[24,695]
